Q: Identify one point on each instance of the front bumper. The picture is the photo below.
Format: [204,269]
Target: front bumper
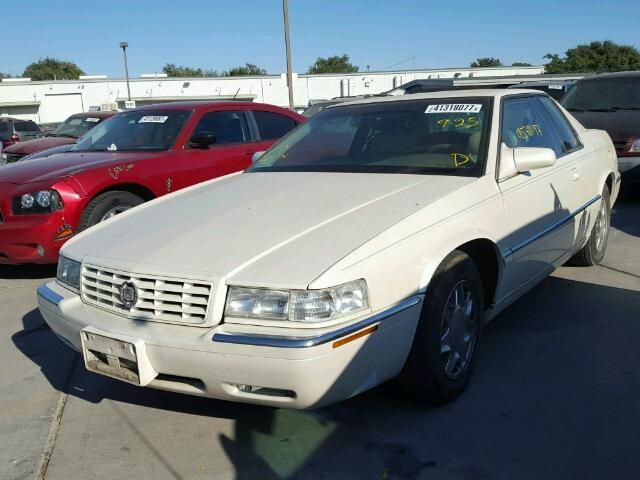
[30,239]
[213,362]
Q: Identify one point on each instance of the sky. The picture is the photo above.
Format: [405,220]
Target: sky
[219,34]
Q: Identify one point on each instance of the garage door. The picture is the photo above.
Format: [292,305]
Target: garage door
[59,107]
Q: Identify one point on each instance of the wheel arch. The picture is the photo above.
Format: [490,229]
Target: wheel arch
[134,188]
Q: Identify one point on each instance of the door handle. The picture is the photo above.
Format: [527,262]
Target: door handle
[575,174]
[250,153]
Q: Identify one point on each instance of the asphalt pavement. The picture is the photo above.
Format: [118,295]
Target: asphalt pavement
[556,395]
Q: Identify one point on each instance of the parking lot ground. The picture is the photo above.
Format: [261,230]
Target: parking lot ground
[556,395]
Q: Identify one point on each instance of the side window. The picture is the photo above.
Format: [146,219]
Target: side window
[569,139]
[228,127]
[273,125]
[525,123]
[4,127]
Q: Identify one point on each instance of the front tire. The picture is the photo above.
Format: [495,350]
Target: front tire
[445,345]
[596,247]
[107,205]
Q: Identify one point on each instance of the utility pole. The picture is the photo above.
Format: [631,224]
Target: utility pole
[123,46]
[287,41]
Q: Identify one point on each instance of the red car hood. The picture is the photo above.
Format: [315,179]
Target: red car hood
[64,164]
[38,144]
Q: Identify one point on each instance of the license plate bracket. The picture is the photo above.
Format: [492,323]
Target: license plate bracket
[116,356]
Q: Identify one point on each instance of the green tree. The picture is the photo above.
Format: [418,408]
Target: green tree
[604,56]
[521,64]
[244,70]
[52,69]
[335,64]
[486,62]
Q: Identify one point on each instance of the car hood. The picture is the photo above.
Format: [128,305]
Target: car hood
[61,165]
[38,144]
[266,229]
[620,125]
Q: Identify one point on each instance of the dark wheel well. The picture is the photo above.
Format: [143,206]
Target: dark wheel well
[139,190]
[609,182]
[485,255]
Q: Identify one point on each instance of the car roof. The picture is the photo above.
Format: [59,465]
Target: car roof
[14,119]
[626,74]
[471,93]
[197,104]
[101,114]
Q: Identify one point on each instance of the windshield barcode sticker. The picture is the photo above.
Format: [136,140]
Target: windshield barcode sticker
[153,119]
[92,120]
[454,108]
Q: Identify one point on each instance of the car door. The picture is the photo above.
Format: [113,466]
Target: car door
[230,152]
[269,127]
[540,204]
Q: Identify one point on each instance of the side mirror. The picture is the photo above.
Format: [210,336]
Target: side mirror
[256,156]
[202,140]
[531,158]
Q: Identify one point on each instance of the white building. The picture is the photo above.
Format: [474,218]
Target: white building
[53,101]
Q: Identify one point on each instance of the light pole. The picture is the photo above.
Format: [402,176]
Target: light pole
[124,46]
[285,9]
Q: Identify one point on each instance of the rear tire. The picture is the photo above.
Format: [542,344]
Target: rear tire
[445,345]
[596,247]
[107,205]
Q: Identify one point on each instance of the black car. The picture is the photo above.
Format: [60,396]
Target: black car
[611,102]
[554,88]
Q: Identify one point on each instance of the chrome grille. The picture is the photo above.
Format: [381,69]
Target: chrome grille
[160,299]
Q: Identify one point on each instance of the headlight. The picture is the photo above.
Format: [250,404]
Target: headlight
[635,145]
[68,272]
[44,201]
[298,305]
[4,158]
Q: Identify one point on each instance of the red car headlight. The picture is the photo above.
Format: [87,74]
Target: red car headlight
[43,201]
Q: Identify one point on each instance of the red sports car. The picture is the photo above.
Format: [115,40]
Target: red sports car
[135,156]
[67,133]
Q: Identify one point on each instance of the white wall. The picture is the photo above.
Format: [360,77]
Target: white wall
[268,89]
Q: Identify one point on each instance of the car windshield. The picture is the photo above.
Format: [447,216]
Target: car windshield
[137,130]
[435,136]
[604,94]
[75,127]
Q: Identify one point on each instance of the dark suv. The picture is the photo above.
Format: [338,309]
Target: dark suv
[14,130]
[611,102]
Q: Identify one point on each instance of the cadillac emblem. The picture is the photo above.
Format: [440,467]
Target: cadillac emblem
[128,294]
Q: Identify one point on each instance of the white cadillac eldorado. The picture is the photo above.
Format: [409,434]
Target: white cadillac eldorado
[371,242]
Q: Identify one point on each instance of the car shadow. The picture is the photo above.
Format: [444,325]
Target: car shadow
[626,211]
[554,395]
[27,272]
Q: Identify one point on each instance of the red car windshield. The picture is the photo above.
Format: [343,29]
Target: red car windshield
[138,130]
[75,127]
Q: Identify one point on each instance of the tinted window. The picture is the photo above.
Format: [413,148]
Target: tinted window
[4,126]
[26,127]
[443,136]
[569,139]
[604,94]
[135,130]
[525,123]
[273,125]
[76,126]
[228,127]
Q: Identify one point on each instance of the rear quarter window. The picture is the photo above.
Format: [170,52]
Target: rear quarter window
[273,125]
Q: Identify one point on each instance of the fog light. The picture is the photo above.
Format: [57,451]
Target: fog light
[40,250]
[246,388]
